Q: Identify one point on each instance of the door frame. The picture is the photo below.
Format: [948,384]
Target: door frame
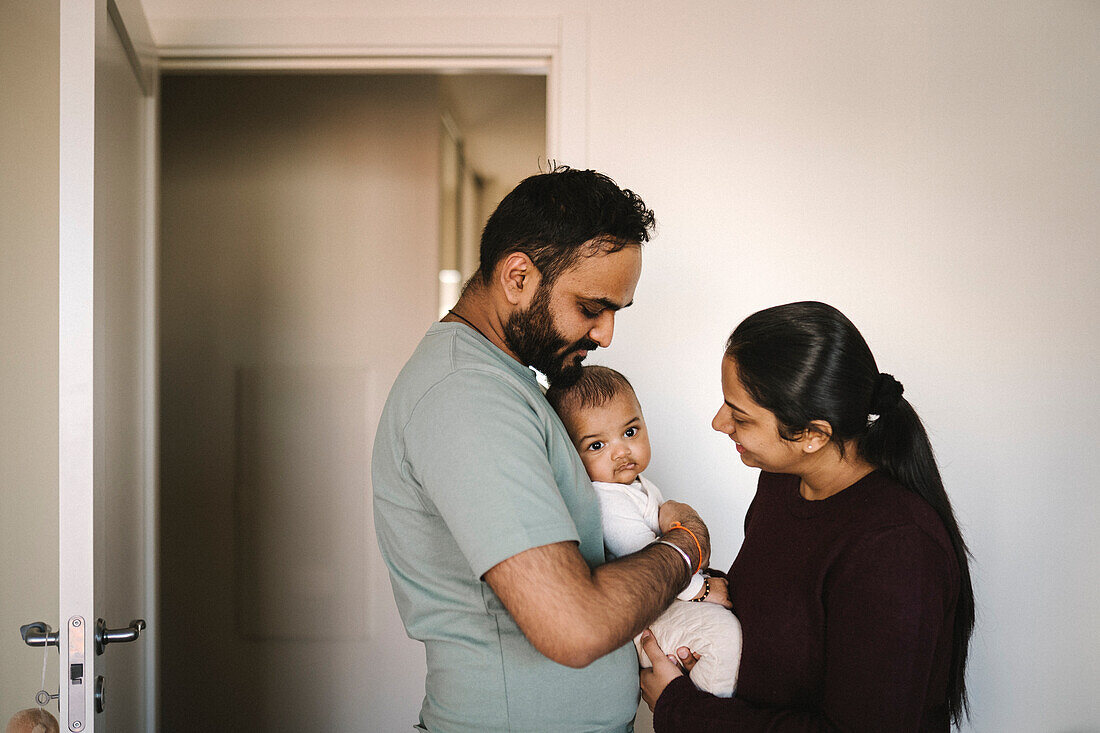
[77,474]
[554,45]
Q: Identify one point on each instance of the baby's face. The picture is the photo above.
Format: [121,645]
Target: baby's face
[612,439]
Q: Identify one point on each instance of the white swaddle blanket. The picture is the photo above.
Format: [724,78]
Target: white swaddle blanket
[708,629]
[629,513]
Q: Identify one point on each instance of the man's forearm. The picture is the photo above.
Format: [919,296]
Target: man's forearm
[642,585]
[635,589]
[574,614]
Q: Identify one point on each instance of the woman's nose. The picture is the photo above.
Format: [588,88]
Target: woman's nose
[721,422]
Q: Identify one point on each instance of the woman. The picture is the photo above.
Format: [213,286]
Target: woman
[852,585]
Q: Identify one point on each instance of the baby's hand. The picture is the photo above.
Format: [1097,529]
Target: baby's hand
[674,512]
[719,592]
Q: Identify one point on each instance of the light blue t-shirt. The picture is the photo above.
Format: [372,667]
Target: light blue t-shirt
[472,466]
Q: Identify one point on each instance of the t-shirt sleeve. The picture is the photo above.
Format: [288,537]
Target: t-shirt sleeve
[478,450]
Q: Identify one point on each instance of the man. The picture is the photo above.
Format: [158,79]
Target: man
[485,515]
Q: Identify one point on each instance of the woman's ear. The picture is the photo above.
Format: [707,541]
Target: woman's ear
[816,436]
[519,278]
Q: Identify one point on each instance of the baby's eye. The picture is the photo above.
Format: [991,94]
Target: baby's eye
[598,445]
[631,432]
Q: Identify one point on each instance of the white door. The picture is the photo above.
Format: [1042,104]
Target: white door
[106,474]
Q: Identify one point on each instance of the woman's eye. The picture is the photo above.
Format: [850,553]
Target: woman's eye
[631,432]
[596,446]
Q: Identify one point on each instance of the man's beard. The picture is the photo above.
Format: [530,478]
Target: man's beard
[532,337]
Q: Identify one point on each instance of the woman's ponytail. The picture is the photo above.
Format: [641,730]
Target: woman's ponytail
[898,444]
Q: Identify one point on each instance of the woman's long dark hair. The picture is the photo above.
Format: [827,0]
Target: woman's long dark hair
[807,361]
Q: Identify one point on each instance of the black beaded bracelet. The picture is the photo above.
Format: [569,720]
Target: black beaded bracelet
[706,591]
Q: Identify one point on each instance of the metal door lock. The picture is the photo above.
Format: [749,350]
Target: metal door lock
[75,688]
[105,636]
[39,633]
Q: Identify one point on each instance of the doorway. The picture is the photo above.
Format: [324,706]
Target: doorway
[304,225]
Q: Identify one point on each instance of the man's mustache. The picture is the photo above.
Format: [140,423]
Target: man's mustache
[586,343]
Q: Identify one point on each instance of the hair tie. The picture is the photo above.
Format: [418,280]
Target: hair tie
[885,397]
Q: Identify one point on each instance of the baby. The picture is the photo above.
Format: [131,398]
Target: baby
[604,420]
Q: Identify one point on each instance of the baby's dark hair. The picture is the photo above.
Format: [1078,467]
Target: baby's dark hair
[596,386]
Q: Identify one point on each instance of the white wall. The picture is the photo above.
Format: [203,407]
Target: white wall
[931,169]
[28,343]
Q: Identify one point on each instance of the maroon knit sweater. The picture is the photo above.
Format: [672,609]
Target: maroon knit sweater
[847,607]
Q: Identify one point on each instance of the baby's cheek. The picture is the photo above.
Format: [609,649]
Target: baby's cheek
[600,470]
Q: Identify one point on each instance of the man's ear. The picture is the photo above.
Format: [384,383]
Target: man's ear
[816,436]
[519,278]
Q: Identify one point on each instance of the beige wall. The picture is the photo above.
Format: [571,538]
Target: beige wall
[931,168]
[28,342]
[503,123]
[299,224]
[501,120]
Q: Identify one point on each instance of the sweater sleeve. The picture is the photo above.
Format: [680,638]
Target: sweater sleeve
[885,604]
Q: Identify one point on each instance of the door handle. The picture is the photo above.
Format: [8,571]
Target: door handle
[39,633]
[105,636]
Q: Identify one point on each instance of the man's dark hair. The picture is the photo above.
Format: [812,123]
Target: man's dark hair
[551,217]
[596,386]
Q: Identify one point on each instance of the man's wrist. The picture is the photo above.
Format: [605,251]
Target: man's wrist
[694,587]
[683,554]
[695,539]
[687,558]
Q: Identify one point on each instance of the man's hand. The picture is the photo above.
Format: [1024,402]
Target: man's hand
[672,512]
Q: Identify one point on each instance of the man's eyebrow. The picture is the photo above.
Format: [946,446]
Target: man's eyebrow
[608,304]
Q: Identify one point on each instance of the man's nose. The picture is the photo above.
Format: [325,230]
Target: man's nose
[604,329]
